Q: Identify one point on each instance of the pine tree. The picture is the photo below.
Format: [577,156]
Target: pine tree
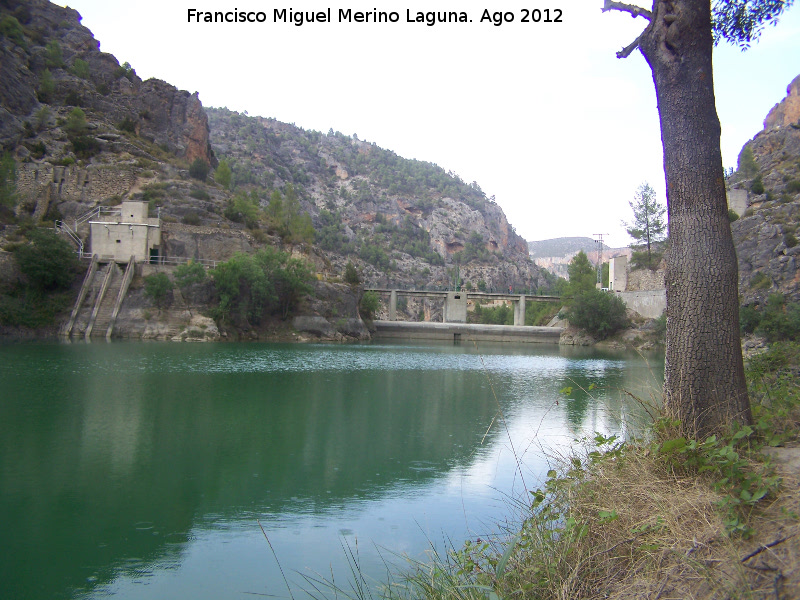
[648,225]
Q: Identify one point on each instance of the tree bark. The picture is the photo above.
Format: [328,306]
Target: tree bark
[704,384]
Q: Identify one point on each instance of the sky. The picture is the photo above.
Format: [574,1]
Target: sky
[543,116]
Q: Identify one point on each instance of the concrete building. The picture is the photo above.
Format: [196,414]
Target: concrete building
[119,235]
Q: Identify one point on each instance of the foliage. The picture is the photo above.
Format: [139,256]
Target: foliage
[157,287]
[76,126]
[719,459]
[222,174]
[125,70]
[80,68]
[11,29]
[351,274]
[776,320]
[331,233]
[474,250]
[285,216]
[747,162]
[191,218]
[732,215]
[407,237]
[495,315]
[793,186]
[199,169]
[599,313]
[582,275]
[199,194]
[22,306]
[53,57]
[539,313]
[760,281]
[8,180]
[267,282]
[127,124]
[47,86]
[244,208]
[369,305]
[757,185]
[48,262]
[648,225]
[742,21]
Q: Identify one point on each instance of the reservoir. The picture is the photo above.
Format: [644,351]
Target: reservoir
[136,470]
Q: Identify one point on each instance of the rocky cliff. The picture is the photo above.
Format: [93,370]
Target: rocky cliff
[766,234]
[50,61]
[85,131]
[404,222]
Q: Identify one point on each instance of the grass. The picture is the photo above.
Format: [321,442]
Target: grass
[661,517]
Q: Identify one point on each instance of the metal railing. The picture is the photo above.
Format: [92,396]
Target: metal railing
[63,227]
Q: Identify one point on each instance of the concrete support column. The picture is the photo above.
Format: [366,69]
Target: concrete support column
[455,308]
[393,306]
[519,311]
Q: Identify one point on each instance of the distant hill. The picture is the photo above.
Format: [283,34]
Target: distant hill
[555,254]
[563,246]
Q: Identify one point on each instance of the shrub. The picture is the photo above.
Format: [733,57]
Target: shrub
[599,313]
[757,186]
[760,281]
[369,305]
[156,287]
[732,215]
[189,274]
[789,239]
[749,318]
[11,29]
[778,320]
[191,218]
[127,124]
[199,169]
[793,186]
[199,194]
[48,262]
[125,70]
[269,281]
[52,55]
[80,68]
[73,98]
[8,180]
[47,86]
[223,174]
[351,274]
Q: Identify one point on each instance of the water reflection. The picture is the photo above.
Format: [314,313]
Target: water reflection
[141,469]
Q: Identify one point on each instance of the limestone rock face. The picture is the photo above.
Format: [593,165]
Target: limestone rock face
[204,243]
[786,112]
[171,118]
[766,236]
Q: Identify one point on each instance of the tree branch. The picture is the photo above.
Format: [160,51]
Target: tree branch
[626,51]
[635,11]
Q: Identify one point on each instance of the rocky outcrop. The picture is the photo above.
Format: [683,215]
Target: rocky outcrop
[787,112]
[170,118]
[766,236]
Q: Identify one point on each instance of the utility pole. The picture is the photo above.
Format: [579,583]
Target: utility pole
[599,245]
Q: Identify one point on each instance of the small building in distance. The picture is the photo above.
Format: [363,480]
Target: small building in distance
[119,234]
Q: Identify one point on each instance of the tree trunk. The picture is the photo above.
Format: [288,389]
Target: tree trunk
[704,384]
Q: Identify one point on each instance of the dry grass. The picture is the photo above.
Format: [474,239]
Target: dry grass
[627,526]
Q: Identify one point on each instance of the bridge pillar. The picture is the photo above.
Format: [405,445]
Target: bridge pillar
[455,308]
[393,306]
[519,311]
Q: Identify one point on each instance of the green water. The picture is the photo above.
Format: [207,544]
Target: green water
[142,470]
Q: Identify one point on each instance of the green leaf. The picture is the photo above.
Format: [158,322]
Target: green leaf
[673,445]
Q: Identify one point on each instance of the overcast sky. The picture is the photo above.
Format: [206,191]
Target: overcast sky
[542,115]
